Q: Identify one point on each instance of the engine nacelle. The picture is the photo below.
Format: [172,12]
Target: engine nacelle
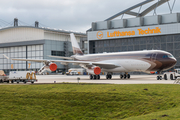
[94,71]
[152,72]
[50,67]
[53,67]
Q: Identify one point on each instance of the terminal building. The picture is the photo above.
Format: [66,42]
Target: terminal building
[158,32]
[30,42]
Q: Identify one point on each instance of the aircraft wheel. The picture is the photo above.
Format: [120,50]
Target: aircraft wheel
[125,76]
[128,76]
[107,76]
[165,77]
[91,77]
[171,76]
[121,76]
[160,77]
[98,76]
[94,77]
[157,77]
[110,76]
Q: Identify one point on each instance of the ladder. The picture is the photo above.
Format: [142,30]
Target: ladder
[177,81]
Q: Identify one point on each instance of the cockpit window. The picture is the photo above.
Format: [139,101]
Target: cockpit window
[168,56]
[165,56]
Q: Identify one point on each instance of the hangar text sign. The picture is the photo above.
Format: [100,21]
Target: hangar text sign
[129,33]
[134,32]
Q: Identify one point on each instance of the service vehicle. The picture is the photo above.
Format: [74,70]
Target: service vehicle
[3,77]
[172,75]
[21,76]
[73,73]
[76,71]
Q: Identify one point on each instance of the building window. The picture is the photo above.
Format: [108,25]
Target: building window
[58,53]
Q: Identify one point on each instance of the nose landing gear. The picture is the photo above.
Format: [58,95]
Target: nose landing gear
[159,77]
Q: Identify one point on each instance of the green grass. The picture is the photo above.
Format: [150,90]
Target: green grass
[89,101]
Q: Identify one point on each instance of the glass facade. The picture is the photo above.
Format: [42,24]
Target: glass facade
[29,52]
[39,51]
[170,43]
[34,52]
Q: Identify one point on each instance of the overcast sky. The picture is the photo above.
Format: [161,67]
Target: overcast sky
[76,15]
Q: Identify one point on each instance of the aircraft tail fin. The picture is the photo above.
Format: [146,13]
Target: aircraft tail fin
[75,45]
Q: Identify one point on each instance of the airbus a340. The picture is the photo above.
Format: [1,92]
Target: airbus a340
[117,62]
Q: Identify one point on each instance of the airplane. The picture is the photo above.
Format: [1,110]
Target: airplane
[118,62]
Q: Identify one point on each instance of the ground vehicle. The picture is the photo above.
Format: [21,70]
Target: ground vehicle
[76,71]
[3,77]
[172,75]
[20,76]
[73,73]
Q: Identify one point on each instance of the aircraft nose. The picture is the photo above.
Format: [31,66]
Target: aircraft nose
[174,61]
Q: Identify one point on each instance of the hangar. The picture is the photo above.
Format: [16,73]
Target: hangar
[35,42]
[141,32]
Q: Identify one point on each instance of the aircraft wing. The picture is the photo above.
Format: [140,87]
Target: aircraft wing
[104,65]
[88,64]
[32,60]
[62,57]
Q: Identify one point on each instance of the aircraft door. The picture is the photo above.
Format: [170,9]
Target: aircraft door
[153,57]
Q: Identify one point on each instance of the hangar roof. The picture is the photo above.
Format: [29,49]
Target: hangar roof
[145,12]
[47,29]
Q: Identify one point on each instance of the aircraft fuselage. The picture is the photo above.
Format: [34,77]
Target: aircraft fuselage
[147,60]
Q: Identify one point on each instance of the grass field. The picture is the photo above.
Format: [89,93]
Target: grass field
[89,101]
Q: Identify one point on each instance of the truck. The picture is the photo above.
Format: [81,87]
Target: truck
[75,71]
[3,77]
[19,76]
[172,75]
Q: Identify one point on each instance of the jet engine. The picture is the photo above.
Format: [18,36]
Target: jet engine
[152,72]
[94,70]
[49,67]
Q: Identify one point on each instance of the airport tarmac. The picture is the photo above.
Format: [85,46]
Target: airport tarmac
[135,79]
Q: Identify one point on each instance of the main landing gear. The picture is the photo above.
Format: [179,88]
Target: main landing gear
[94,77]
[126,75]
[108,76]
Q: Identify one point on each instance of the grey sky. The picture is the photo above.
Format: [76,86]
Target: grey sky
[76,15]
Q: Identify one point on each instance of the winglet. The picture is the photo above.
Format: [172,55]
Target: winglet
[75,45]
[6,56]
